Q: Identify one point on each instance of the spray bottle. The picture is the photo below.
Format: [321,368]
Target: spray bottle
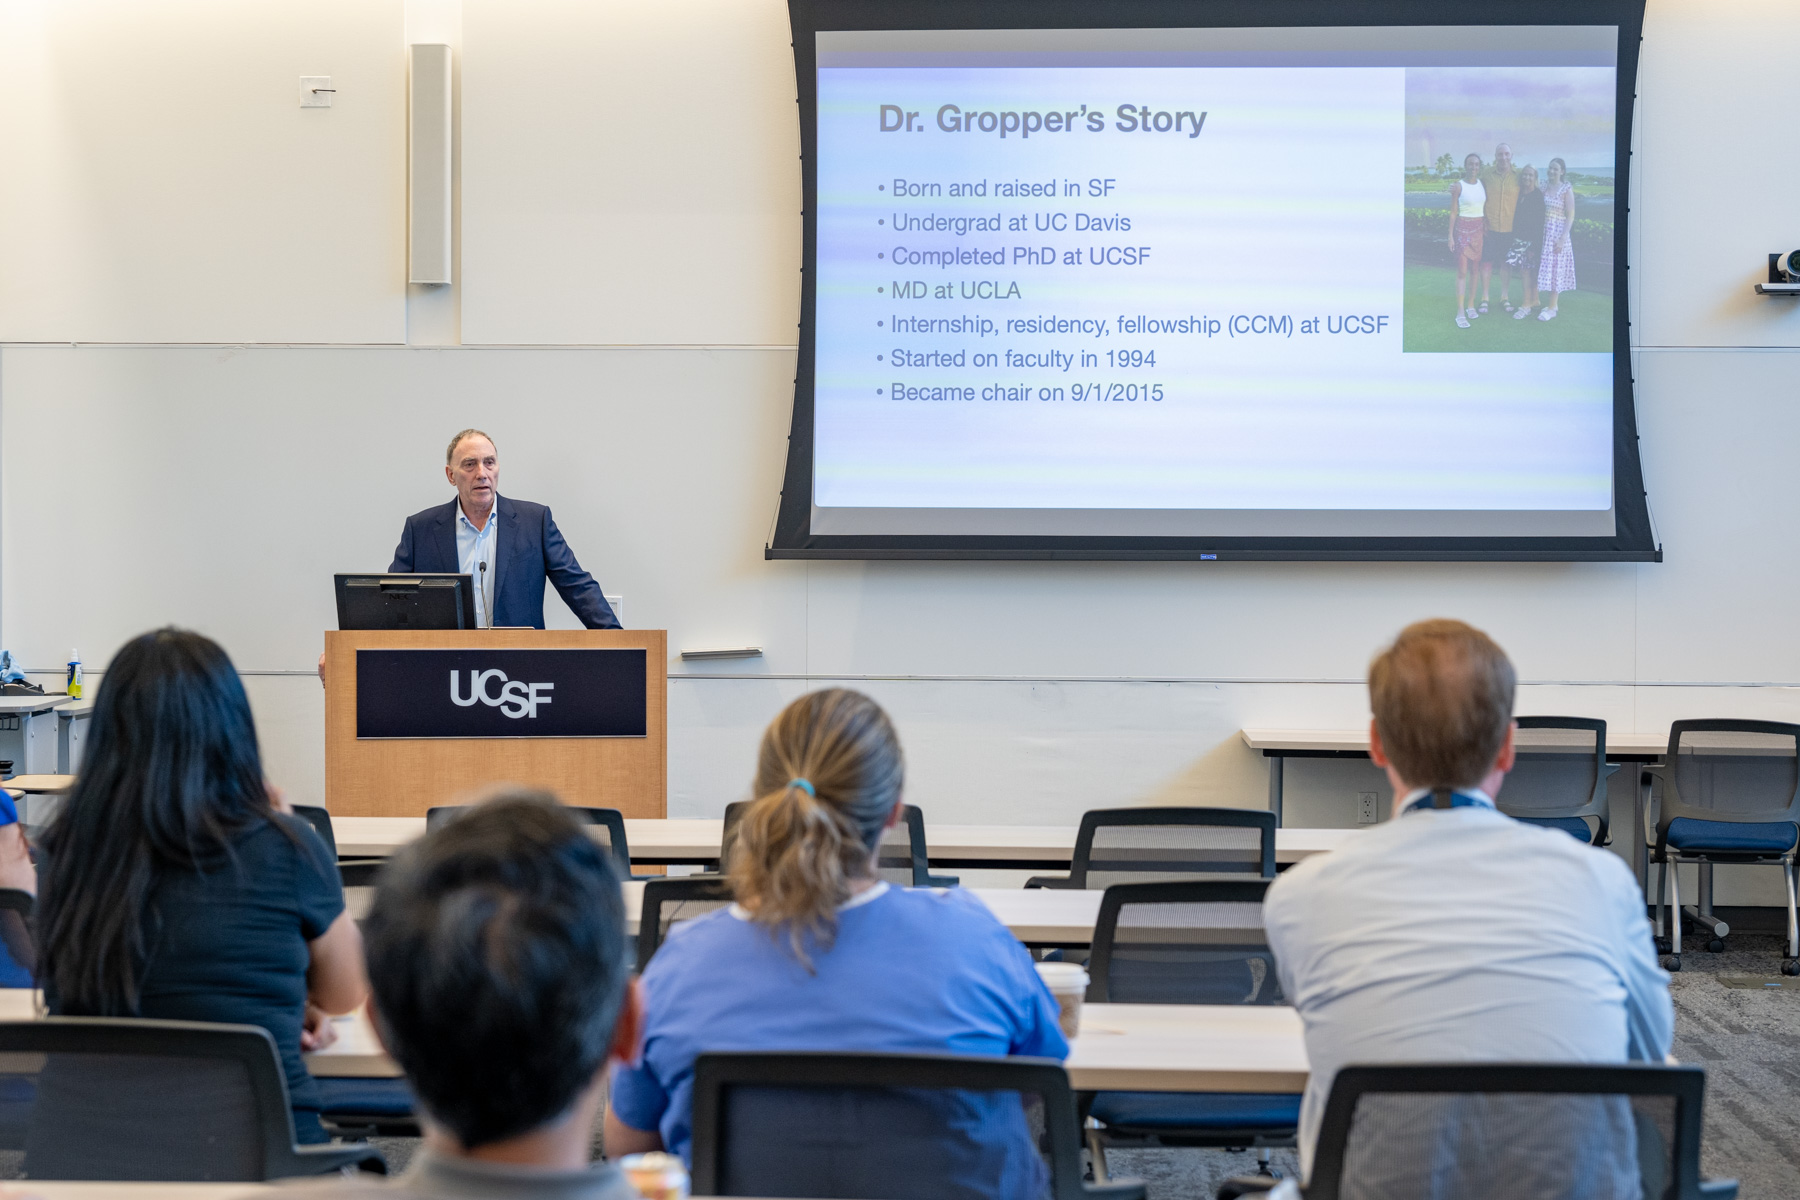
[75,674]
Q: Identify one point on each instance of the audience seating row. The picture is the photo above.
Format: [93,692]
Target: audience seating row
[1192,942]
[1180,923]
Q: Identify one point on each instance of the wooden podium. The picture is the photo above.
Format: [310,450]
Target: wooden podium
[411,755]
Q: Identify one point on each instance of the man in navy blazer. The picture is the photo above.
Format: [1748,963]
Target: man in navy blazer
[508,546]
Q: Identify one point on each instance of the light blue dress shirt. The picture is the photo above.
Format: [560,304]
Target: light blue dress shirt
[1462,935]
[474,547]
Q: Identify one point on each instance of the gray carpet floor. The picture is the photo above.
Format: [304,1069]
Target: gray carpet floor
[1749,1042]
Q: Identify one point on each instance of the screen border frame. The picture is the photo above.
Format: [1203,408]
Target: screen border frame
[1634,536]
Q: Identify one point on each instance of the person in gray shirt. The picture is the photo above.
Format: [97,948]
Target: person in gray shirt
[496,954]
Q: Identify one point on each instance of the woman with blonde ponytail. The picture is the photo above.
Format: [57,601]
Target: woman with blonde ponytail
[819,953]
[827,785]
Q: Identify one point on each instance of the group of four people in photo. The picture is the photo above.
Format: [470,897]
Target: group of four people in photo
[1501,216]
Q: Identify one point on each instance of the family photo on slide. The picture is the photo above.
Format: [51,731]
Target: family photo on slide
[1508,247]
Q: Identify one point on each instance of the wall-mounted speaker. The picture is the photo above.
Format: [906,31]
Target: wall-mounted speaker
[428,168]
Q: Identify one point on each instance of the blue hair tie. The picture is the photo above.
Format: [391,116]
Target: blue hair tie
[804,785]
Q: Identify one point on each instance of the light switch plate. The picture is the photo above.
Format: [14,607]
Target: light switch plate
[315,91]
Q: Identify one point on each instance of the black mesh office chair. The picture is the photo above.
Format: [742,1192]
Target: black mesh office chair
[320,819]
[1141,845]
[1727,791]
[354,872]
[608,823]
[668,901]
[354,1108]
[905,860]
[1192,942]
[130,1099]
[1501,1131]
[856,1126]
[1559,777]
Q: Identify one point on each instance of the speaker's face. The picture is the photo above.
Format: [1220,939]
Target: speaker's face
[475,471]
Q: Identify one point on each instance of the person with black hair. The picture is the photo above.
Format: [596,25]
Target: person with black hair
[496,950]
[176,882]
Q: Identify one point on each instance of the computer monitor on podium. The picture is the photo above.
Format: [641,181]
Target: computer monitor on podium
[425,601]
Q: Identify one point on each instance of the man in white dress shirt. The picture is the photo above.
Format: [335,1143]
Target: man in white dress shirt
[1453,932]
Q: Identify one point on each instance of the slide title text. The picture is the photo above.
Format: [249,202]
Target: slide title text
[1127,118]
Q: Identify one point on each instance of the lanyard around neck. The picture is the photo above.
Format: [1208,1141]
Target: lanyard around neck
[1442,798]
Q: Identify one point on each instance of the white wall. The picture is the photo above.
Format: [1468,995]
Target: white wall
[630,173]
[629,208]
[162,183]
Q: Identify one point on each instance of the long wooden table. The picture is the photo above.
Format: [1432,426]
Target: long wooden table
[695,842]
[1036,916]
[1127,1047]
[58,1189]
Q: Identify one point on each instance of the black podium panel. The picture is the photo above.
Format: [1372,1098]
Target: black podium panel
[500,693]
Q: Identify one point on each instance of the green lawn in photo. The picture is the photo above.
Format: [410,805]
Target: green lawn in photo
[1584,324]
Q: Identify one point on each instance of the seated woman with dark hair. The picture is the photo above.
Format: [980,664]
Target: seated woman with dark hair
[176,883]
[819,954]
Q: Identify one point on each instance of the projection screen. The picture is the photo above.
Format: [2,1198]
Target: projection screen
[1214,280]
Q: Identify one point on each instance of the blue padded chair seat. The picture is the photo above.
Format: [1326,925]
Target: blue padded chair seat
[365,1097]
[1575,827]
[1736,837]
[1222,1111]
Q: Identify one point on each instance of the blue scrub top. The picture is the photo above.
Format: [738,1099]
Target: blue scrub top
[911,971]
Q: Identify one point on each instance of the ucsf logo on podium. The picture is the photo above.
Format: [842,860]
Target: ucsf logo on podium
[515,700]
[501,693]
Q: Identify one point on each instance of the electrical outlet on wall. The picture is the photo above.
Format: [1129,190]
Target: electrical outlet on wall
[1366,803]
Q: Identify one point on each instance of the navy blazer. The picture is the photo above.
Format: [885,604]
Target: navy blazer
[531,549]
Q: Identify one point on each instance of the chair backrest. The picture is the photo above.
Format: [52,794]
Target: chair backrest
[1143,845]
[681,898]
[1730,770]
[608,828]
[1559,775]
[1491,1131]
[904,860]
[119,1099]
[320,820]
[1190,942]
[881,1125]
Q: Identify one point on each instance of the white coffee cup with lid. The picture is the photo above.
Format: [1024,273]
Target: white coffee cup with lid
[1068,982]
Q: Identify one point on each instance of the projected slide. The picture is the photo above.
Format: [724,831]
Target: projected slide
[1266,282]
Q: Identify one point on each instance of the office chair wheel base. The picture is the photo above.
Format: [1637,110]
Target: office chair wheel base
[1790,966]
[1671,962]
[1663,945]
[1716,946]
